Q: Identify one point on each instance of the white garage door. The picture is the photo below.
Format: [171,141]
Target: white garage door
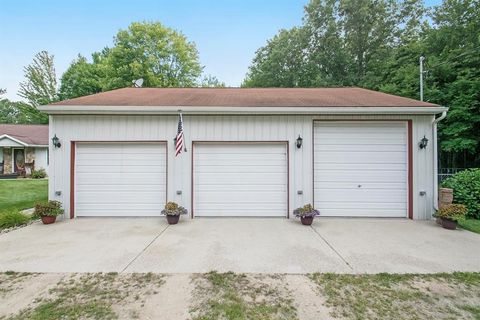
[360,169]
[240,179]
[120,179]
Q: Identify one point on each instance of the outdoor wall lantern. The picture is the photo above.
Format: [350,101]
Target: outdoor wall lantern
[56,142]
[423,143]
[299,142]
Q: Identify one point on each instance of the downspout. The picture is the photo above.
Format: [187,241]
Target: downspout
[435,159]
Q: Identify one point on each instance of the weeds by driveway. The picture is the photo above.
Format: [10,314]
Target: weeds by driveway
[234,296]
[393,296]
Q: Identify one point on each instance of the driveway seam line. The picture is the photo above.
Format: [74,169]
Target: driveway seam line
[144,249]
[331,247]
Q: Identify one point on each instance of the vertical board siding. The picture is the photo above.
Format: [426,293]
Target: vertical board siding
[227,128]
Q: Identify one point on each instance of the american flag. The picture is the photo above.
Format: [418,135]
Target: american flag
[179,141]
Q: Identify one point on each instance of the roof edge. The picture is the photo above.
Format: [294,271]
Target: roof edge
[149,110]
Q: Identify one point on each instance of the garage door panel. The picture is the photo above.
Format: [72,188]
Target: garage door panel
[130,196]
[120,179]
[241,178]
[241,168]
[359,166]
[118,187]
[370,213]
[361,157]
[119,148]
[349,147]
[119,169]
[251,158]
[359,177]
[239,213]
[112,178]
[377,196]
[360,205]
[119,159]
[238,179]
[320,185]
[232,188]
[372,155]
[241,197]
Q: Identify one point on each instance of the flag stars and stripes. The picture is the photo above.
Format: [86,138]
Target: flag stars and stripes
[179,139]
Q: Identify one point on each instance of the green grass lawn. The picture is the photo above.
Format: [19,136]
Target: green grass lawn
[21,194]
[471,225]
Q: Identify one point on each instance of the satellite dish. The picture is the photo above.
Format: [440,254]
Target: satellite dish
[138,83]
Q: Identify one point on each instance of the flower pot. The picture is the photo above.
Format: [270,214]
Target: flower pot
[48,219]
[173,219]
[438,220]
[306,221]
[449,224]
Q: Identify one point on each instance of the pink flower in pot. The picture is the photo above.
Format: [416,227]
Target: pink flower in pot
[306,214]
[173,211]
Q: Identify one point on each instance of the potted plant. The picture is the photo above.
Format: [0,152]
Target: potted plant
[49,211]
[173,211]
[306,214]
[450,214]
[438,220]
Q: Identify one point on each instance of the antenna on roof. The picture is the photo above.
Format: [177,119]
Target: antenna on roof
[137,83]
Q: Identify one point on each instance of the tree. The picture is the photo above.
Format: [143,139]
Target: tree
[454,78]
[83,78]
[161,56]
[281,62]
[340,43]
[14,112]
[40,85]
[209,81]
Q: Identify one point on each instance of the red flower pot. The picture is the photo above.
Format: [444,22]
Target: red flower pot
[449,224]
[173,219]
[306,221]
[48,219]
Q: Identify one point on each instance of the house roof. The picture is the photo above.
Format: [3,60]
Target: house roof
[28,134]
[244,97]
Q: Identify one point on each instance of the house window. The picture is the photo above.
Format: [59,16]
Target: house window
[1,155]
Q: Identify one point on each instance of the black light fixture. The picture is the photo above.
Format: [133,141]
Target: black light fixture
[56,142]
[299,142]
[423,143]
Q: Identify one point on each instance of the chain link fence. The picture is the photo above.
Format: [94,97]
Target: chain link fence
[445,173]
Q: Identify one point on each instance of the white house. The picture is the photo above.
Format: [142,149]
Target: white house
[249,152]
[23,148]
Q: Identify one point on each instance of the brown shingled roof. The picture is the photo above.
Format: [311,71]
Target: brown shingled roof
[27,133]
[246,97]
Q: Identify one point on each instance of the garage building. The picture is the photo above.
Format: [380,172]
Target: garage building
[351,152]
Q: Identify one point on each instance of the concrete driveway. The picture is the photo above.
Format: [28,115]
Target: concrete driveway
[240,245]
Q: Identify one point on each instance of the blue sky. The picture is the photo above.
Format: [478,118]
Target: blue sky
[226,32]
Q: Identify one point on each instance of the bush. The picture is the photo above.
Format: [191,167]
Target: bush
[452,211]
[466,190]
[11,219]
[51,208]
[38,174]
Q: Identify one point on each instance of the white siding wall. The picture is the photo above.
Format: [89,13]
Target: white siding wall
[41,161]
[224,128]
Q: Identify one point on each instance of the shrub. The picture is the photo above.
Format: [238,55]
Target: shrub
[452,211]
[173,209]
[466,190]
[306,211]
[11,219]
[38,174]
[51,208]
